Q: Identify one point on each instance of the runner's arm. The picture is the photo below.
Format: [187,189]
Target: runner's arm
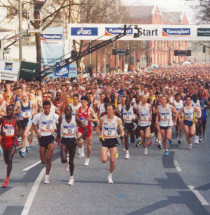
[81,125]
[17,107]
[119,122]
[173,110]
[94,117]
[59,127]
[98,129]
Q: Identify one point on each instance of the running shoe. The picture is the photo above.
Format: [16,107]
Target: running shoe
[47,179]
[145,152]
[124,150]
[87,162]
[150,143]
[156,141]
[200,140]
[160,145]
[6,183]
[170,141]
[138,143]
[67,167]
[166,153]
[179,141]
[19,139]
[127,155]
[0,152]
[28,148]
[116,155]
[190,146]
[71,181]
[110,180]
[22,154]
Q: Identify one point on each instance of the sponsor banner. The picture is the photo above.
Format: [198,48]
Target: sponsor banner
[179,32]
[9,70]
[116,31]
[28,70]
[203,32]
[84,31]
[62,72]
[73,70]
[52,45]
[139,32]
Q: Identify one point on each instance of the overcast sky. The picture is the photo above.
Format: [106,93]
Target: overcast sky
[169,5]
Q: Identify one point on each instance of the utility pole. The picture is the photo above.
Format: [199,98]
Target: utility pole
[20,30]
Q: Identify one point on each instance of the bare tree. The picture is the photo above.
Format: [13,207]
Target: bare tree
[39,14]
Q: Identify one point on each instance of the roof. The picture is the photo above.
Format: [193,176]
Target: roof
[172,17]
[142,12]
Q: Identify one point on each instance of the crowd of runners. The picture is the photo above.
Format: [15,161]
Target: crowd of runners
[139,108]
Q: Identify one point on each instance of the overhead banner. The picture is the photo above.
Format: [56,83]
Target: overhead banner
[9,70]
[139,32]
[72,70]
[62,72]
[28,70]
[52,45]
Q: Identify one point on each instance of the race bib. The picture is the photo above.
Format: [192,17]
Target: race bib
[26,114]
[9,130]
[188,117]
[68,131]
[47,127]
[164,117]
[127,117]
[84,121]
[109,132]
[144,118]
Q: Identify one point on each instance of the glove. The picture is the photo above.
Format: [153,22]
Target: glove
[120,136]
[101,138]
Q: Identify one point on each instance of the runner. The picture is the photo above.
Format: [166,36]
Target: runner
[164,120]
[145,118]
[26,110]
[107,132]
[44,125]
[189,119]
[128,117]
[178,104]
[10,128]
[86,115]
[67,131]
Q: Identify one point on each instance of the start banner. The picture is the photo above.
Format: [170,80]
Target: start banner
[139,32]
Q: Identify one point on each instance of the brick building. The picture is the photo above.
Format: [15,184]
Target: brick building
[144,53]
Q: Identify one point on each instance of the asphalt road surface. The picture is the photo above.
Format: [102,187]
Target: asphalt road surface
[177,184]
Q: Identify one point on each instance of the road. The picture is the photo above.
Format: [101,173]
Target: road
[177,184]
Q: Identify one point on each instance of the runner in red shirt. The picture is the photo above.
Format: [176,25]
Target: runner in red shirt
[86,115]
[10,128]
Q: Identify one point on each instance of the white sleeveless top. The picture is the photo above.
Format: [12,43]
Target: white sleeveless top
[75,108]
[165,116]
[109,129]
[68,130]
[178,105]
[189,114]
[128,116]
[144,113]
[101,109]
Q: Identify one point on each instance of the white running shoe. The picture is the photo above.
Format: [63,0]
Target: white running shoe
[124,150]
[82,152]
[196,140]
[190,146]
[47,179]
[110,180]
[67,167]
[127,155]
[71,181]
[87,162]
[145,151]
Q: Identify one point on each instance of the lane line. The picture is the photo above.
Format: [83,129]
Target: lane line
[178,168]
[198,195]
[33,165]
[32,194]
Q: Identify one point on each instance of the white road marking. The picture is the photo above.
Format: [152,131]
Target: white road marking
[198,195]
[178,168]
[32,194]
[33,165]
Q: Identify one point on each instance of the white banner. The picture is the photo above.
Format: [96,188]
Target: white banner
[139,32]
[9,70]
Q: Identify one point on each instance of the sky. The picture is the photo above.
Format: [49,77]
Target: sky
[169,5]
